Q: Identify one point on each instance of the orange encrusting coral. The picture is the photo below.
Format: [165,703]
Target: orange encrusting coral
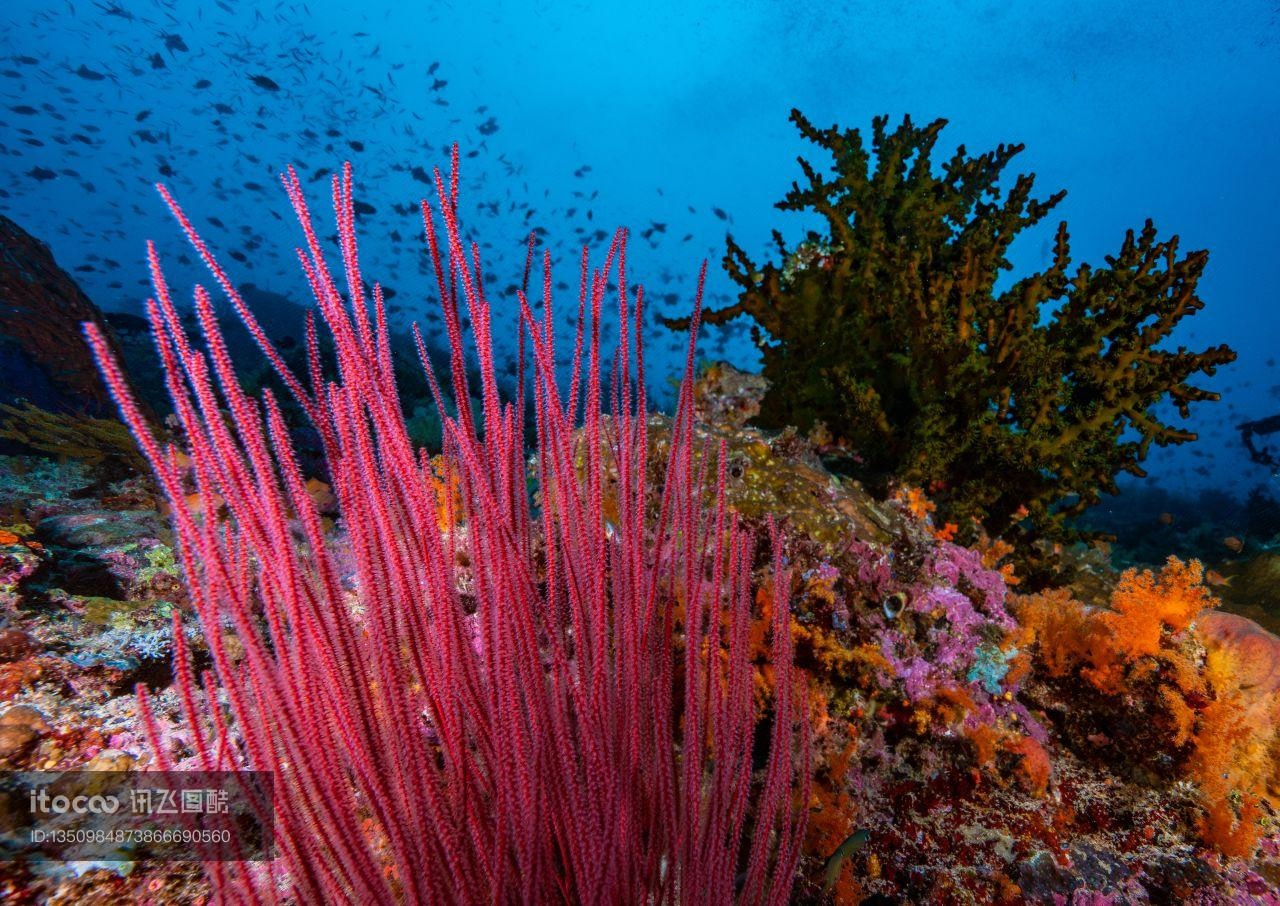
[1034,765]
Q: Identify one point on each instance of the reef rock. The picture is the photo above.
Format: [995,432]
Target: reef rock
[43,356]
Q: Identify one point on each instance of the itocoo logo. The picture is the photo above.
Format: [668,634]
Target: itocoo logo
[44,804]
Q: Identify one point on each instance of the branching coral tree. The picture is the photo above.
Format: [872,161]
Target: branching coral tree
[524,702]
[1013,406]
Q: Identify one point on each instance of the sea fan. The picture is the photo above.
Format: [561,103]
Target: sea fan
[541,698]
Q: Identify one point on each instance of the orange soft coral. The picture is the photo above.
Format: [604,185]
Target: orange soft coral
[447,486]
[914,502]
[1140,648]
[1060,626]
[984,739]
[1111,644]
[1144,605]
[1233,758]
[947,532]
[995,553]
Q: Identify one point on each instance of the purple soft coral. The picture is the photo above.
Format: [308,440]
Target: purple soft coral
[957,618]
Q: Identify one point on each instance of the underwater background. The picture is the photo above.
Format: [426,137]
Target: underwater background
[952,692]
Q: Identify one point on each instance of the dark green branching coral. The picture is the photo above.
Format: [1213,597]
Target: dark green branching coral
[1015,408]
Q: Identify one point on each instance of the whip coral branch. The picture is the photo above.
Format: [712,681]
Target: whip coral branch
[543,699]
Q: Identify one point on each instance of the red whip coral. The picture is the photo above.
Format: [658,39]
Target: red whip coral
[494,709]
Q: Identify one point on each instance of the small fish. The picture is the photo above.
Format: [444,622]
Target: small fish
[1233,544]
[118,11]
[1217,579]
[834,864]
[264,82]
[1166,518]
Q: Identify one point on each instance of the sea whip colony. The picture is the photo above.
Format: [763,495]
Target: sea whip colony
[532,699]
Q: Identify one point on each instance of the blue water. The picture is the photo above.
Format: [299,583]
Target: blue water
[584,117]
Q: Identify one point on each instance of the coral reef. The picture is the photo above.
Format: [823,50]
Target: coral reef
[890,330]
[941,773]
[952,764]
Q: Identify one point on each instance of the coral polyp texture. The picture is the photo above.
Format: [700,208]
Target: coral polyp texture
[888,327]
[473,694]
